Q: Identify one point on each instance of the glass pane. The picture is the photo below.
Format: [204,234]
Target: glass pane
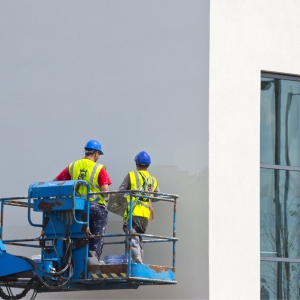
[279,280]
[280,126]
[280,213]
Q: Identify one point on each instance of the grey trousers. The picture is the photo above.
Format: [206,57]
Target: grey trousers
[139,225]
[136,248]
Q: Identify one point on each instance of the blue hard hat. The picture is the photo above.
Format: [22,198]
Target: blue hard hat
[142,159]
[94,145]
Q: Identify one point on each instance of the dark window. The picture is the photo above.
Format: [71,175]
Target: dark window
[280,187]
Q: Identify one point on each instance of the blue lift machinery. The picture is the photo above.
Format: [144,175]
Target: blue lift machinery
[64,263]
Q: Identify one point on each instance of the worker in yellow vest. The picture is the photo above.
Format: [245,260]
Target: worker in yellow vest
[142,209]
[95,174]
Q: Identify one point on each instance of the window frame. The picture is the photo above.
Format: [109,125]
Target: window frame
[276,259]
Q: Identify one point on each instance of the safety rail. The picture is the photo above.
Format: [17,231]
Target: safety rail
[157,196]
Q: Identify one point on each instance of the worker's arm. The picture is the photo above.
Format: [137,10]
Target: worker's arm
[156,190]
[63,175]
[104,188]
[103,179]
[125,185]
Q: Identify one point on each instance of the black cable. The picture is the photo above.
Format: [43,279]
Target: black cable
[43,282]
[10,292]
[18,296]
[7,288]
[56,286]
[34,294]
[70,265]
[51,287]
[35,266]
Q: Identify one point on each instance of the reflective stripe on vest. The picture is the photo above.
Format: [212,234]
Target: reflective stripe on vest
[140,208]
[88,170]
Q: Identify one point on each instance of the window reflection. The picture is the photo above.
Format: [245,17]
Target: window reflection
[280,213]
[279,280]
[280,126]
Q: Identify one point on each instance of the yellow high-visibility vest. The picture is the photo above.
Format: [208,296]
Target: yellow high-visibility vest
[142,206]
[88,170]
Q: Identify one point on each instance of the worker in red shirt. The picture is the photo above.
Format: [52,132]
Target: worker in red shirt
[95,174]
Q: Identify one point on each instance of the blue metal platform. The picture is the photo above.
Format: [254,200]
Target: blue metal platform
[64,262]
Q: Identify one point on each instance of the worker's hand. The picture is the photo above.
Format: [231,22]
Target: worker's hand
[125,227]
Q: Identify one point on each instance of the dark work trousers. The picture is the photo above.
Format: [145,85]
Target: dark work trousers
[98,222]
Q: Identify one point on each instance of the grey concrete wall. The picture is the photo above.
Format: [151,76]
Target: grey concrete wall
[132,74]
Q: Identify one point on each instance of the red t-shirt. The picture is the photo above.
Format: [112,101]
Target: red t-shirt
[103,177]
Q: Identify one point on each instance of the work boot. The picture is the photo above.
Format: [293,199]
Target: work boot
[93,259]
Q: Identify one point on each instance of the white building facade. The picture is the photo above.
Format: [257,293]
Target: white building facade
[248,38]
